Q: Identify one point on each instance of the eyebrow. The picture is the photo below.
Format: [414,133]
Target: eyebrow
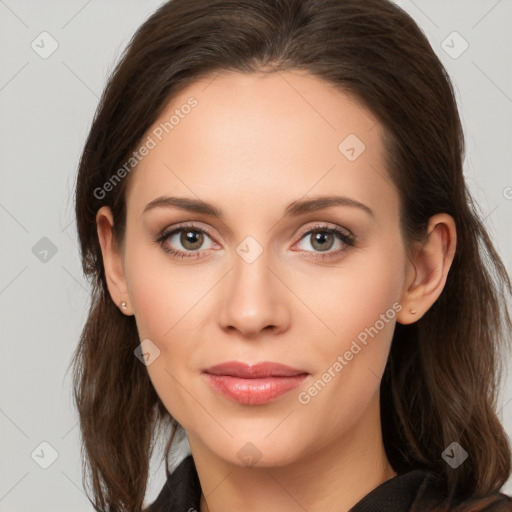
[295,208]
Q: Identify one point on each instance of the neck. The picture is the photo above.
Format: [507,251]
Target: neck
[333,477]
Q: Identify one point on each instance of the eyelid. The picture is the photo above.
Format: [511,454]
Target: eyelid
[170,230]
[318,225]
[337,230]
[344,235]
[192,225]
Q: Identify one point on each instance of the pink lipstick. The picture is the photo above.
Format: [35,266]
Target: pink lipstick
[253,384]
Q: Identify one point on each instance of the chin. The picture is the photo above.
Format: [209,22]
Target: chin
[259,452]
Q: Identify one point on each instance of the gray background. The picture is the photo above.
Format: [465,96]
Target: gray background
[46,107]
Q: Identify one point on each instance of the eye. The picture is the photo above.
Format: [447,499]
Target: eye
[322,238]
[190,237]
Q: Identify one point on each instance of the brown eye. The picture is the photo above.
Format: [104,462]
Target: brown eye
[191,240]
[184,241]
[322,240]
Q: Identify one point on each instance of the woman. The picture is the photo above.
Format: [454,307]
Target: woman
[288,267]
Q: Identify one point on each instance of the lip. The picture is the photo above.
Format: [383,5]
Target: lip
[255,371]
[253,384]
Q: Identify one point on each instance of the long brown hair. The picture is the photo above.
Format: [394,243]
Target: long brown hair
[443,373]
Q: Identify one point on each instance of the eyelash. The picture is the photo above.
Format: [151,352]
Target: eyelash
[347,239]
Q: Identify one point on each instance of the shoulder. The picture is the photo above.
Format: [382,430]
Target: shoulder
[181,491]
[432,496]
[413,491]
[497,502]
[426,491]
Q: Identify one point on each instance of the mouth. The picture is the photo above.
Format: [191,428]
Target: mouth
[253,384]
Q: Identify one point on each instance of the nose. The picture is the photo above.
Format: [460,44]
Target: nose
[254,298]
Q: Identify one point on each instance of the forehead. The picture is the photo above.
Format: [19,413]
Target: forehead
[276,136]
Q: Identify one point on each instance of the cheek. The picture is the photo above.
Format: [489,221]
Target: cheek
[165,303]
[360,306]
[361,309]
[368,288]
[152,306]
[161,294]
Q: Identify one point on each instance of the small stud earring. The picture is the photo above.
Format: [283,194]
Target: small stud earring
[123,305]
[412,311]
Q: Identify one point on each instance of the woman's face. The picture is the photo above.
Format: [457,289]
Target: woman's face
[254,283]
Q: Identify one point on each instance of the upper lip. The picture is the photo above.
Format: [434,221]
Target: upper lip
[259,370]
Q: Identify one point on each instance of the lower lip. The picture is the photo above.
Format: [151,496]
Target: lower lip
[254,391]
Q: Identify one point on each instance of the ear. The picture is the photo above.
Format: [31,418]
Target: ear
[112,260]
[427,271]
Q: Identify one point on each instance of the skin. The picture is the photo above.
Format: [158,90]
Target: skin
[253,145]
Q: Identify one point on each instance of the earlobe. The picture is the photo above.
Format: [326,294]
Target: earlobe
[112,260]
[429,268]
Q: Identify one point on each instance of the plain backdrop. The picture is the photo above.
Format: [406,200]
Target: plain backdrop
[47,102]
